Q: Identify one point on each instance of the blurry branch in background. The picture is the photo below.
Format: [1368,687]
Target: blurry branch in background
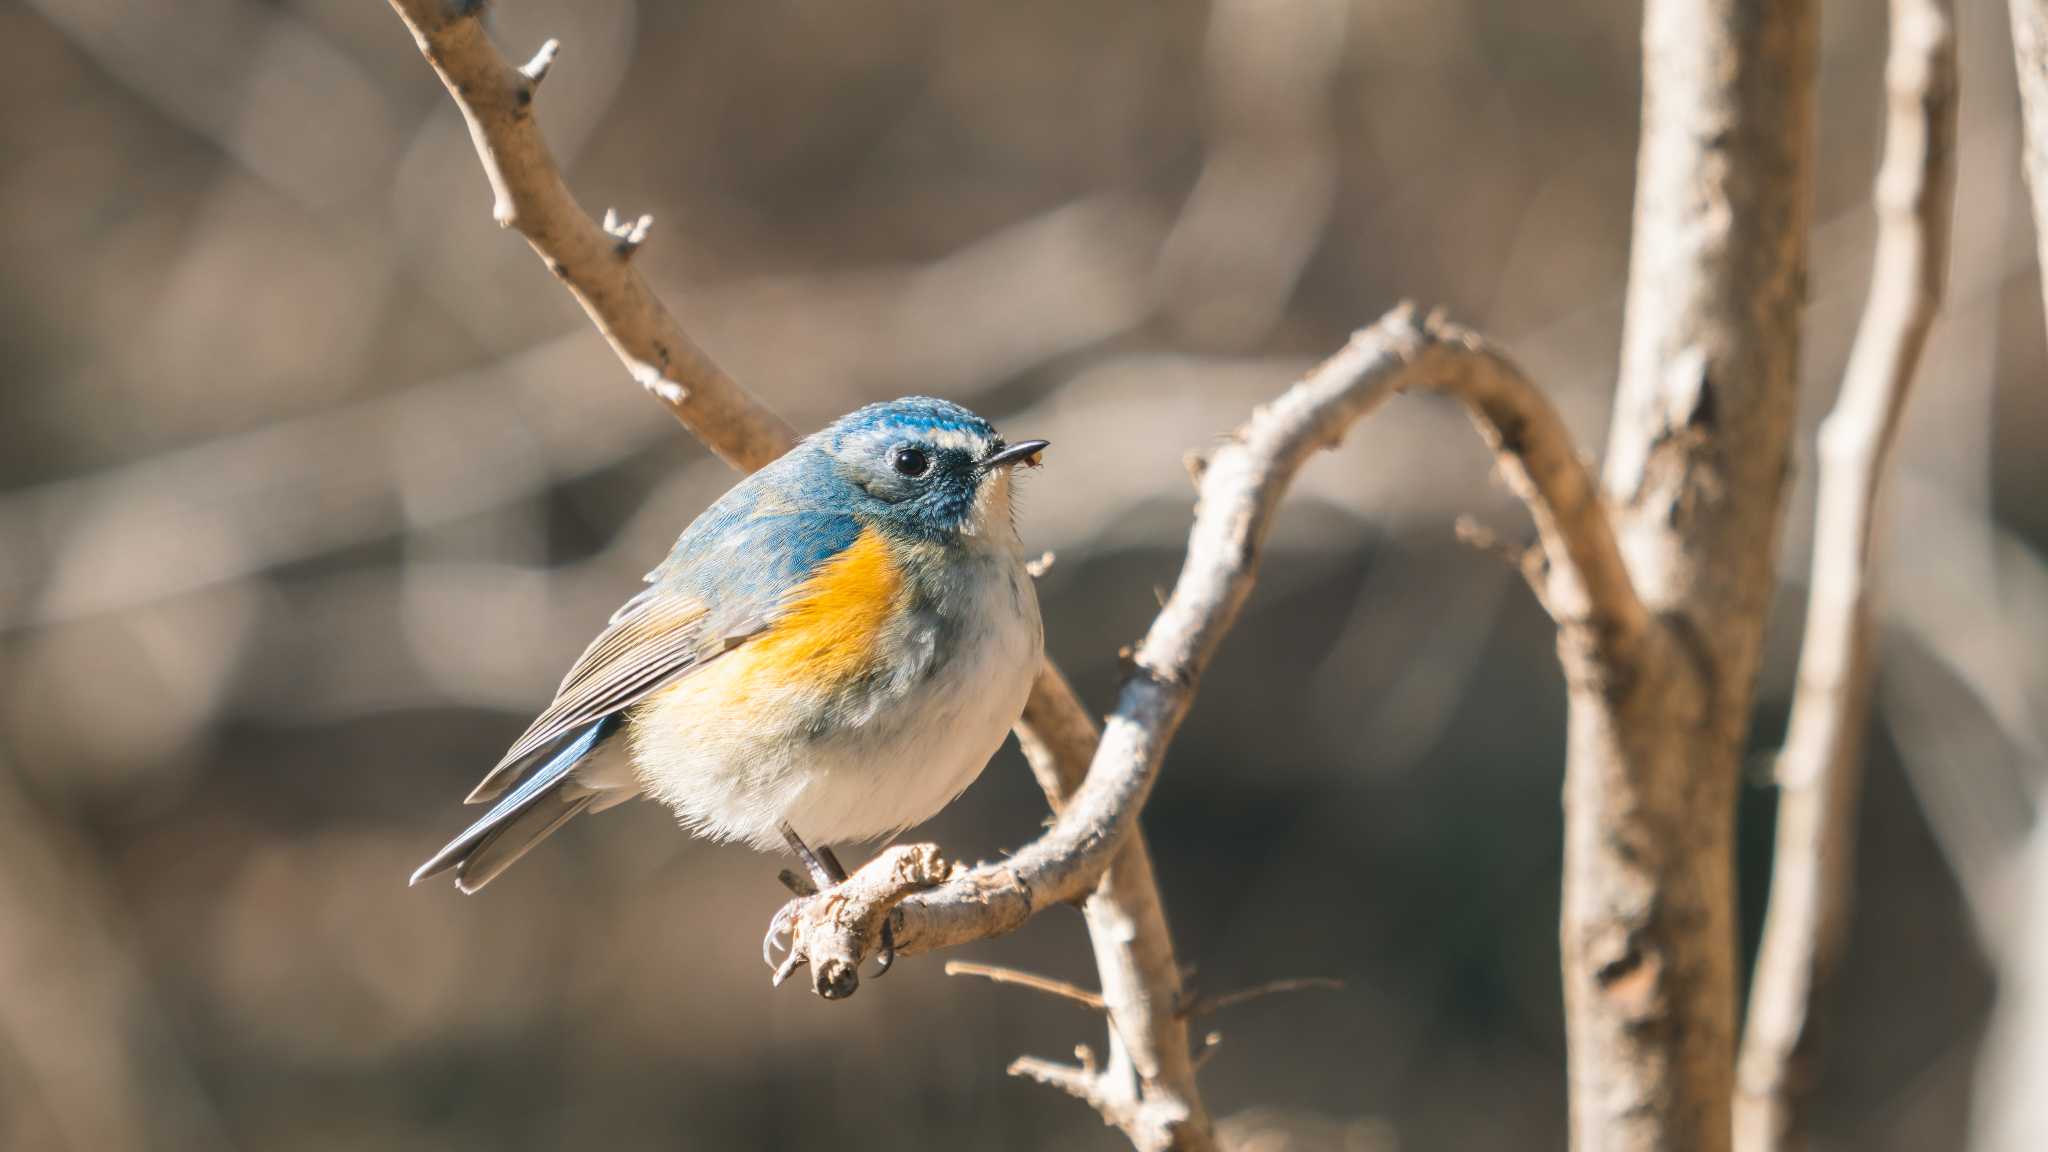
[2030,59]
[1820,770]
[497,100]
[1241,485]
[1208,1005]
[1697,459]
[475,440]
[2011,1111]
[79,1017]
[1269,177]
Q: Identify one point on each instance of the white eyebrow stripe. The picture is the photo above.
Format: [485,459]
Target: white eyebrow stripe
[953,438]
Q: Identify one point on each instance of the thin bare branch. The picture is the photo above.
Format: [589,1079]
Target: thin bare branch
[1206,1005]
[1820,769]
[1127,919]
[1021,979]
[496,99]
[1149,1060]
[1147,1123]
[1528,563]
[1083,1082]
[1240,490]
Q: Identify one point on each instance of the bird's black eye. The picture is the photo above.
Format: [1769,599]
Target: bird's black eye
[910,462]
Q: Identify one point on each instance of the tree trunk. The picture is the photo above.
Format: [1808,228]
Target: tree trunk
[1696,468]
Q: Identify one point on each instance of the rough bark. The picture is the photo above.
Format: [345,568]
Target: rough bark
[1821,766]
[1696,467]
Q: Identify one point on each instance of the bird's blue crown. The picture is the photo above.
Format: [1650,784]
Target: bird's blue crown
[912,416]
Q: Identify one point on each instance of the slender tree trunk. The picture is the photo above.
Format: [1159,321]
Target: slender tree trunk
[1695,475]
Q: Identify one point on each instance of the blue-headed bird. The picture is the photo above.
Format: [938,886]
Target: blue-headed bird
[833,651]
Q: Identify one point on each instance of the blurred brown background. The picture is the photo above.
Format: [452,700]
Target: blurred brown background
[312,481]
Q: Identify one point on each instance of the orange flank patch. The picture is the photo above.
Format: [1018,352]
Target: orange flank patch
[832,622]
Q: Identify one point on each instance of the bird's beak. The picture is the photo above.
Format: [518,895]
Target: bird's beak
[1023,452]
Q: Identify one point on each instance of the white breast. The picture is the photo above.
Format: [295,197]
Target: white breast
[903,754]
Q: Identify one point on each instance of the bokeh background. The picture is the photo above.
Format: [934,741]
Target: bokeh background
[312,481]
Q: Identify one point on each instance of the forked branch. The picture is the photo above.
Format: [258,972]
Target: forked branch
[1239,491]
[1136,958]
[1098,785]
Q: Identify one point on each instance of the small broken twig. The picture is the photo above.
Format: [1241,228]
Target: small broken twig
[1046,984]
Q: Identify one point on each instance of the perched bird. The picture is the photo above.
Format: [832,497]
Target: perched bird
[833,650]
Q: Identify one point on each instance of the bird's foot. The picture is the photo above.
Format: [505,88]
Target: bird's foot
[787,919]
[835,924]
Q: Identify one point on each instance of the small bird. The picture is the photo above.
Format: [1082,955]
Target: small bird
[833,650]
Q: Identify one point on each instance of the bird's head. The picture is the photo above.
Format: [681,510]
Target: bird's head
[925,468]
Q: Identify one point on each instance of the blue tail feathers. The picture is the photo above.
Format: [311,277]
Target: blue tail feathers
[542,802]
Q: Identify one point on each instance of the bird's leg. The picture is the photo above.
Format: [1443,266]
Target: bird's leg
[821,876]
[825,873]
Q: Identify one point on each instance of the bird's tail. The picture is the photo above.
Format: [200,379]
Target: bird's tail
[542,802]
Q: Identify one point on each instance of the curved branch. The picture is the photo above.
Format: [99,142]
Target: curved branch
[1820,769]
[594,262]
[1239,490]
[1127,919]
[1087,846]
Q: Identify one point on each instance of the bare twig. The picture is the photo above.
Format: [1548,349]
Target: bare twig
[1820,769]
[1590,595]
[1241,487]
[1082,1081]
[1239,492]
[1020,979]
[1528,563]
[1205,1005]
[1149,1066]
[531,197]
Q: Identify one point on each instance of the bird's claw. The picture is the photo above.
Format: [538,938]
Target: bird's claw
[794,961]
[786,922]
[885,954]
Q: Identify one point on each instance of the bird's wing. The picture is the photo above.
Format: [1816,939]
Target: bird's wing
[725,582]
